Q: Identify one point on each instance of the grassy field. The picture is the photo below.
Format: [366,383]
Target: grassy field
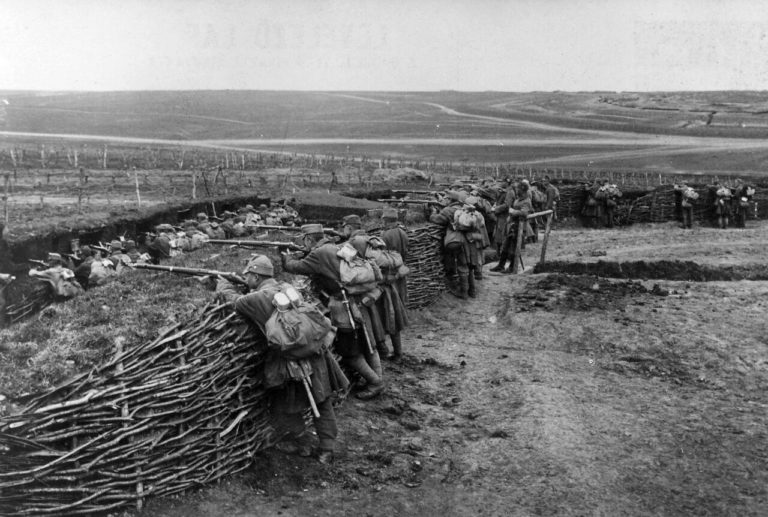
[667,131]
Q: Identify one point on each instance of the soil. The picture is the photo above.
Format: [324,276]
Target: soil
[552,394]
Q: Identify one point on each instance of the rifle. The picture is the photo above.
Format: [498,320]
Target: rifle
[291,228]
[423,192]
[227,275]
[39,263]
[276,244]
[345,300]
[410,201]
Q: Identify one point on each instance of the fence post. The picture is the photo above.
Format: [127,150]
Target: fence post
[546,238]
[6,200]
[136,180]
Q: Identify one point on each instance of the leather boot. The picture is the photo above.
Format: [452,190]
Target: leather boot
[502,260]
[479,272]
[463,286]
[471,289]
[397,346]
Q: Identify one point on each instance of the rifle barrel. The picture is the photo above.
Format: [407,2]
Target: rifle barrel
[229,275]
[276,244]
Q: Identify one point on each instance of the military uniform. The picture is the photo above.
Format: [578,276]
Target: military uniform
[288,398]
[322,265]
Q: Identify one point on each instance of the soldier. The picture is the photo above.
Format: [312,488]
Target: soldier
[61,279]
[129,248]
[608,197]
[289,399]
[322,265]
[501,211]
[593,209]
[117,257]
[742,198]
[396,239]
[552,195]
[83,270]
[159,243]
[486,197]
[518,212]
[723,197]
[688,198]
[455,245]
[202,221]
[478,241]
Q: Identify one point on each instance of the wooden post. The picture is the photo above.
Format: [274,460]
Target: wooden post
[194,185]
[136,180]
[5,200]
[546,238]
[518,245]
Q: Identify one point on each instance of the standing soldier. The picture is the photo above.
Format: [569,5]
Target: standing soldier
[396,239]
[455,245]
[289,398]
[742,198]
[687,198]
[553,197]
[723,197]
[593,209]
[501,211]
[518,212]
[323,266]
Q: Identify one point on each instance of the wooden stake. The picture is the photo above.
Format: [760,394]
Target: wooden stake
[138,193]
[546,238]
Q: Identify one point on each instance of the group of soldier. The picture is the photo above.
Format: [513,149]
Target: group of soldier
[360,315]
[90,265]
[729,202]
[601,200]
[360,322]
[477,217]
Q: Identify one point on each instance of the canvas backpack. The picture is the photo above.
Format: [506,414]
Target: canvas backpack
[297,329]
[358,274]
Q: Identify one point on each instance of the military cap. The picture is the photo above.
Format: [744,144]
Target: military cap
[486,192]
[471,201]
[249,208]
[228,213]
[310,229]
[456,195]
[130,245]
[260,265]
[262,207]
[55,257]
[389,213]
[202,216]
[165,227]
[116,245]
[352,220]
[86,251]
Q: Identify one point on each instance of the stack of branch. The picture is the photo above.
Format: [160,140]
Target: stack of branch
[426,280]
[159,418]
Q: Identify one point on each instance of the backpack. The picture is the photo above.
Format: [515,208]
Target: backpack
[358,274]
[296,329]
[465,220]
[538,197]
[384,258]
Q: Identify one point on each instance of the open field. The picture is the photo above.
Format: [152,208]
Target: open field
[665,131]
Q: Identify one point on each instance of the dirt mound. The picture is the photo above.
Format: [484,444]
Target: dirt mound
[581,293]
[661,269]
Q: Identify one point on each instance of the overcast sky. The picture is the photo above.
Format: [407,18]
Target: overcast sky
[513,45]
